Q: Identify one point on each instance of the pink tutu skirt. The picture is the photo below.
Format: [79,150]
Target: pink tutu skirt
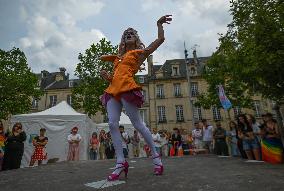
[134,97]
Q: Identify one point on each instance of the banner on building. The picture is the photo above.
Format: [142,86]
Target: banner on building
[226,104]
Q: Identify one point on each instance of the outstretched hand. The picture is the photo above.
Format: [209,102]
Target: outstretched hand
[164,19]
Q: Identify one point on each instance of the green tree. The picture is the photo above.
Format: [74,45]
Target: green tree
[18,85]
[91,86]
[250,57]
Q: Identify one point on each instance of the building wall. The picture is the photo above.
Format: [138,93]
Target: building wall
[149,109]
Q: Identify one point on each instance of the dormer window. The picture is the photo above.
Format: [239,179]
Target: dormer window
[58,77]
[71,83]
[192,71]
[141,79]
[175,71]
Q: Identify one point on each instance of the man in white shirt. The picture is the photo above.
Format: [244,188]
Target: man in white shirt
[207,136]
[157,140]
[197,136]
[125,141]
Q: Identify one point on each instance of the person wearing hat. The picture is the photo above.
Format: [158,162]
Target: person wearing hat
[74,139]
[39,143]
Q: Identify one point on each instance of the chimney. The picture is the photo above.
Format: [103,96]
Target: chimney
[62,69]
[150,65]
[195,57]
[44,73]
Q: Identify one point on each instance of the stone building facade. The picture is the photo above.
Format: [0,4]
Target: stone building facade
[170,91]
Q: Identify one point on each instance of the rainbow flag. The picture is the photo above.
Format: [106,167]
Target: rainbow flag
[272,150]
[226,104]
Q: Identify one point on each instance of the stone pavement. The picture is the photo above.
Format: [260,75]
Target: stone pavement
[200,173]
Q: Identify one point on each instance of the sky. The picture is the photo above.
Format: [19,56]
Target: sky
[53,32]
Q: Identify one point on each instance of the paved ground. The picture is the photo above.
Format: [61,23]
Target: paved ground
[200,173]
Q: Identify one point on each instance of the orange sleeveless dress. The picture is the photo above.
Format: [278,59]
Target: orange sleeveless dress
[123,84]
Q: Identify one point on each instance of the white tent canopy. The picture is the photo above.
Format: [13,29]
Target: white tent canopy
[58,122]
[124,120]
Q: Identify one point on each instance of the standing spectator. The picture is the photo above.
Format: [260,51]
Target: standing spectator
[94,145]
[102,139]
[74,140]
[219,134]
[245,132]
[255,127]
[176,140]
[125,141]
[207,136]
[190,142]
[157,140]
[109,147]
[142,146]
[135,140]
[2,142]
[164,143]
[170,144]
[14,148]
[39,143]
[271,145]
[266,117]
[233,139]
[197,136]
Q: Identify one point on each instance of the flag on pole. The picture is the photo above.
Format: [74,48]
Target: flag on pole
[223,98]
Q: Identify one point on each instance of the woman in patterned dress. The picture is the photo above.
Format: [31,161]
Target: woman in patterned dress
[39,143]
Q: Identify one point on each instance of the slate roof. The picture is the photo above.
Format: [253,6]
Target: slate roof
[63,84]
[48,80]
[166,68]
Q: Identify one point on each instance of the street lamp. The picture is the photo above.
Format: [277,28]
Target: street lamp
[186,59]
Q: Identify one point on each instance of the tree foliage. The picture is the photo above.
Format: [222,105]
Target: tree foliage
[18,85]
[87,94]
[250,57]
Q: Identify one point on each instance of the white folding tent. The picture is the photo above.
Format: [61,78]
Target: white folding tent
[58,122]
[128,127]
[124,120]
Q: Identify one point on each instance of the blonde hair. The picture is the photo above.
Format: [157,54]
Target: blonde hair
[122,45]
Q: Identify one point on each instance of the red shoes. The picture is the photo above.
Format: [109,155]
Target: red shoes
[124,168]
[159,168]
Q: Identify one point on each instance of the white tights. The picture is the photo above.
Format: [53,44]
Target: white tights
[114,109]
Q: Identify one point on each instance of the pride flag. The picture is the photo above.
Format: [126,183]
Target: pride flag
[226,104]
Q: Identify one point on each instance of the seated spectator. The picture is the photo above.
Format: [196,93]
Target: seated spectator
[271,145]
[219,135]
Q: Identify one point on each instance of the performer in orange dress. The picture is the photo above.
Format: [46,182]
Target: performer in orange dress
[123,91]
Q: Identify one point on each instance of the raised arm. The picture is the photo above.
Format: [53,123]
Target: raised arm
[161,37]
